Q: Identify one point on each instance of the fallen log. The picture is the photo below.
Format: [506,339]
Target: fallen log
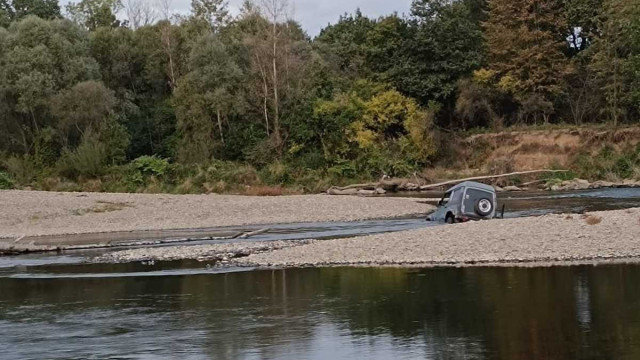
[384,184]
[490,177]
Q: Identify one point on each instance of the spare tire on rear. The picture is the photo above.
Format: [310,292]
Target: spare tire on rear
[484,207]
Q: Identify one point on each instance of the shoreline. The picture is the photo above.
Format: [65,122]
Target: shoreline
[598,236]
[49,221]
[551,240]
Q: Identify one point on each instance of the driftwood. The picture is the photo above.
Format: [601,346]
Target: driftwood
[478,178]
[246,235]
[383,184]
[392,185]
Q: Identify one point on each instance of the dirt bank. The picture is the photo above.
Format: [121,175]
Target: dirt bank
[26,214]
[565,238]
[539,149]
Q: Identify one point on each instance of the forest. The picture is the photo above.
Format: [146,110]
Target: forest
[217,102]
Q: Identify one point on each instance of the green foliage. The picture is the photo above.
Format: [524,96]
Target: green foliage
[6,182]
[22,169]
[93,14]
[515,37]
[151,166]
[14,10]
[206,103]
[88,160]
[608,164]
[206,97]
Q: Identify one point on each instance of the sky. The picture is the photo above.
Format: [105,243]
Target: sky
[316,14]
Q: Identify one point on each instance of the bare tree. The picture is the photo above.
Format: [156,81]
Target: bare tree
[140,13]
[164,8]
[277,12]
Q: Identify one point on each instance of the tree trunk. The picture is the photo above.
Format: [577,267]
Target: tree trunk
[265,93]
[276,100]
[220,126]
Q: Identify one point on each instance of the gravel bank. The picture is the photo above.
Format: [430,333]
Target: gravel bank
[35,213]
[553,238]
[219,252]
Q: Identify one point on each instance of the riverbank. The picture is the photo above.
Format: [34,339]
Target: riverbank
[599,236]
[47,219]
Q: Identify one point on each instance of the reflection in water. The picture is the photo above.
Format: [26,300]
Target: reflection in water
[475,313]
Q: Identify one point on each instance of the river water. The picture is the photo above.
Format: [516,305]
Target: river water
[474,313]
[61,307]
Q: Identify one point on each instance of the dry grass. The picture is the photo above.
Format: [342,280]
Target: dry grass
[269,191]
[593,220]
[530,149]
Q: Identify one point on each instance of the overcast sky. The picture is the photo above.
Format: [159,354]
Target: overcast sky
[316,14]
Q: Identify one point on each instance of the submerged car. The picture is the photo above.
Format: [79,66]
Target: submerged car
[465,202]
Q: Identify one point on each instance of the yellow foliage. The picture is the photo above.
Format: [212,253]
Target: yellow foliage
[364,137]
[484,76]
[419,126]
[508,84]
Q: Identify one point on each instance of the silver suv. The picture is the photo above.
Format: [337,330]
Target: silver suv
[466,201]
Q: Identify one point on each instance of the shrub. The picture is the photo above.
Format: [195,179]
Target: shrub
[22,169]
[87,160]
[276,173]
[5,181]
[343,169]
[151,166]
[231,173]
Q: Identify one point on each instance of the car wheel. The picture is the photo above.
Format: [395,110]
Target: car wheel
[450,219]
[484,207]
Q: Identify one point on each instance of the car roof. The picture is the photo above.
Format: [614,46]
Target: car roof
[473,184]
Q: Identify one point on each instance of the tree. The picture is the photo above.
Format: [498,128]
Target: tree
[209,14]
[582,23]
[140,13]
[93,14]
[448,45]
[14,10]
[526,42]
[83,108]
[347,42]
[615,53]
[206,98]
[41,58]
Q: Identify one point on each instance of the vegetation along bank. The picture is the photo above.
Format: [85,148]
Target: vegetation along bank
[251,104]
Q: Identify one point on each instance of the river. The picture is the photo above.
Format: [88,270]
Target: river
[63,307]
[474,313]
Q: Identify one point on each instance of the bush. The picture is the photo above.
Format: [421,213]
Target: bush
[151,166]
[87,160]
[5,181]
[276,173]
[608,164]
[22,169]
